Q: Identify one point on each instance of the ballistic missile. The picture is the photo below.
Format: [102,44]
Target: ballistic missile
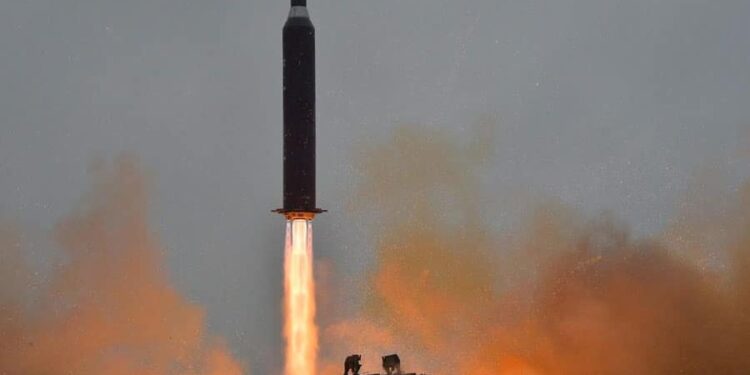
[299,114]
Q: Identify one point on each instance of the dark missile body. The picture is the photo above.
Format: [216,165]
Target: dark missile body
[299,113]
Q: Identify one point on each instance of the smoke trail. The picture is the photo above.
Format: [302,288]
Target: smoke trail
[562,295]
[300,330]
[109,308]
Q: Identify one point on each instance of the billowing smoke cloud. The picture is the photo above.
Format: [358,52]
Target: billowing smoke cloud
[561,295]
[109,307]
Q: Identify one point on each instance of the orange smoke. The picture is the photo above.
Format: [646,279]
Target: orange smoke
[108,308]
[561,295]
[300,330]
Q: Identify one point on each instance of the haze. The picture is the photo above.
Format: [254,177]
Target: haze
[604,105]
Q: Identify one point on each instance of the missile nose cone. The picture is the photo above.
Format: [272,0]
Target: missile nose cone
[298,9]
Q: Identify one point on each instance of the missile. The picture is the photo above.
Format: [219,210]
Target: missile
[299,114]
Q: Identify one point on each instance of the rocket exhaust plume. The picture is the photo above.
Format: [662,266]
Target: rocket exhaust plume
[299,299]
[299,208]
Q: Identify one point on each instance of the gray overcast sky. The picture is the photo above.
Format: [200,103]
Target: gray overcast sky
[604,104]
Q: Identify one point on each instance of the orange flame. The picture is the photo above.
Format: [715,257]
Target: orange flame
[299,299]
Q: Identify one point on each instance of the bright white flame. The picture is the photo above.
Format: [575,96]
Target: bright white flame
[299,299]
